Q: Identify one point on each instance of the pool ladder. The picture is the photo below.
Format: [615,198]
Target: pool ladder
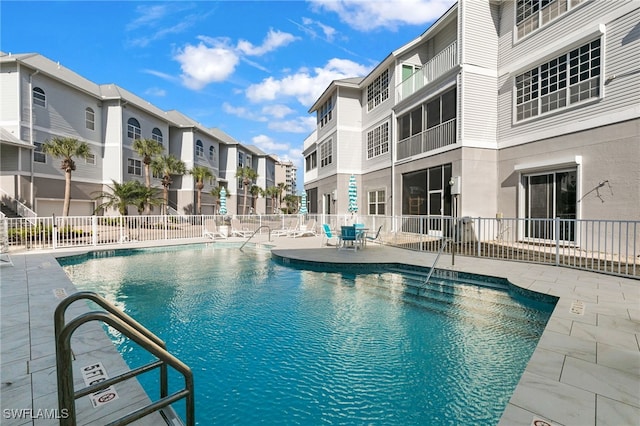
[136,332]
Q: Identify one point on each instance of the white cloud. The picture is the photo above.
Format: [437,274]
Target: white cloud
[155,91]
[306,86]
[277,111]
[272,41]
[298,125]
[268,145]
[242,112]
[211,60]
[373,14]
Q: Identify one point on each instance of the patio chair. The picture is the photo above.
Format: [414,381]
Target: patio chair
[238,229]
[211,230]
[303,231]
[349,238]
[374,238]
[327,235]
[288,228]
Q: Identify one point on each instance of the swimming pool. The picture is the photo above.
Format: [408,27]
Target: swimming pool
[272,343]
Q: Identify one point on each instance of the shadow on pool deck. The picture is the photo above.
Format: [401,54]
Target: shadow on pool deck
[584,371]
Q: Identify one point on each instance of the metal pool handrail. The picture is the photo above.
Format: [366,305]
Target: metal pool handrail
[136,332]
[433,267]
[254,233]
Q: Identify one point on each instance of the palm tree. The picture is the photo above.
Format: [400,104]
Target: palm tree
[200,173]
[291,201]
[122,195]
[255,192]
[66,149]
[272,192]
[148,197]
[167,166]
[147,149]
[248,175]
[282,187]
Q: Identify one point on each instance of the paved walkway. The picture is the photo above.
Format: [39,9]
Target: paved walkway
[584,371]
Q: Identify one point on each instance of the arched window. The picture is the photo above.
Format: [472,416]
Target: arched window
[90,119]
[199,148]
[156,135]
[133,129]
[212,153]
[39,98]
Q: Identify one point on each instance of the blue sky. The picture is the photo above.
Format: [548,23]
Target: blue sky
[250,68]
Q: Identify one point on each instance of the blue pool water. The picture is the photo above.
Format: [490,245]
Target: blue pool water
[277,344]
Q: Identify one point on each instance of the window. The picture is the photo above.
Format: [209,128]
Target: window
[378,141]
[326,155]
[212,154]
[311,161]
[568,79]
[156,135]
[377,202]
[90,119]
[325,112]
[134,167]
[38,155]
[240,159]
[199,148]
[547,196]
[532,14]
[91,159]
[378,90]
[39,98]
[133,129]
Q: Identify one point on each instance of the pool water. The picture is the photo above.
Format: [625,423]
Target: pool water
[274,344]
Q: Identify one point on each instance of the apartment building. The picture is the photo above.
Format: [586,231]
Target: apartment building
[286,173]
[522,109]
[42,100]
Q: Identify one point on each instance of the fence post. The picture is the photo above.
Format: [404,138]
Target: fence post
[479,227]
[54,233]
[166,231]
[556,225]
[94,230]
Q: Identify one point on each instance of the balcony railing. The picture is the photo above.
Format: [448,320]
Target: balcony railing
[436,67]
[436,137]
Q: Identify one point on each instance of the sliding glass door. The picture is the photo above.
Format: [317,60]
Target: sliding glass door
[549,196]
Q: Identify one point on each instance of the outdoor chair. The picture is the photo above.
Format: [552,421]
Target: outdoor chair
[303,231]
[349,238]
[238,229]
[289,227]
[211,230]
[374,238]
[327,235]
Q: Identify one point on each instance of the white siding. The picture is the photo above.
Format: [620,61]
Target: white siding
[10,106]
[479,28]
[478,109]
[621,95]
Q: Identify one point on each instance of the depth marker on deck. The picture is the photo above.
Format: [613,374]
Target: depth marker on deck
[577,307]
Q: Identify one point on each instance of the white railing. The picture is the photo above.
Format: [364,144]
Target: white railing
[17,206]
[444,61]
[436,137]
[607,246]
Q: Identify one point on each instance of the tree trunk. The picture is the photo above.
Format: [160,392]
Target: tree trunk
[67,193]
[147,181]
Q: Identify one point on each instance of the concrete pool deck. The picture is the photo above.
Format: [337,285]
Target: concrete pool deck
[585,369]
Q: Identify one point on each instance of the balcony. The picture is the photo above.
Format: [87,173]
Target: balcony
[436,137]
[436,67]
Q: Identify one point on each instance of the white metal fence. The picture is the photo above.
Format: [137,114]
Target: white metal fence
[597,245]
